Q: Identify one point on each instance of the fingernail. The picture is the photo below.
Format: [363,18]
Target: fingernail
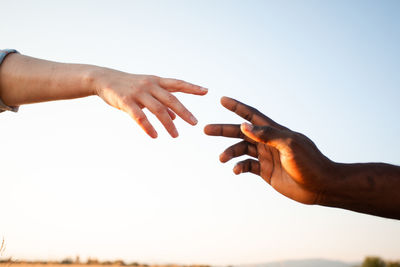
[236,170]
[193,119]
[174,133]
[203,89]
[222,158]
[246,126]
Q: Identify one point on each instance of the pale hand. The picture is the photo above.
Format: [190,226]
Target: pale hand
[131,93]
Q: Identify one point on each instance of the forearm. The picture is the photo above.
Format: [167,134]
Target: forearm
[372,188]
[25,80]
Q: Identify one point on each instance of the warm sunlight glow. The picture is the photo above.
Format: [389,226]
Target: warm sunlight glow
[81,178]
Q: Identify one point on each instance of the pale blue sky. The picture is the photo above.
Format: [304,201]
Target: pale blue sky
[79,177]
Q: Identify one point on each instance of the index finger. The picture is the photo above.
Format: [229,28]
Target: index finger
[226,130]
[248,113]
[175,85]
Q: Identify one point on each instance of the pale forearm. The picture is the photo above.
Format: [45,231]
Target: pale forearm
[25,80]
[372,188]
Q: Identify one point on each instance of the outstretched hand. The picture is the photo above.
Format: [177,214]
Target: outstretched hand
[287,160]
[131,93]
[26,80]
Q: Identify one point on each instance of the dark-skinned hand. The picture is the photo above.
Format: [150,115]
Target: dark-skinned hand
[287,160]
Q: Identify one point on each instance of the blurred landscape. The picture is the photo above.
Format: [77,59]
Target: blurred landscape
[304,263]
[92,262]
[77,263]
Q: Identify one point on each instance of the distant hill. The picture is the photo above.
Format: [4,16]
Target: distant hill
[302,263]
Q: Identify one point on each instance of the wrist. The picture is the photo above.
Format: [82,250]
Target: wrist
[91,78]
[337,185]
[350,187]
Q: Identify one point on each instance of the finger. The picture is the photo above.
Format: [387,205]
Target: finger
[173,103]
[247,112]
[248,165]
[171,114]
[226,130]
[174,85]
[138,115]
[237,150]
[160,111]
[268,135]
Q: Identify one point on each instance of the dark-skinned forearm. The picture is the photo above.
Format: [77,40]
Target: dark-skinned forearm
[372,188]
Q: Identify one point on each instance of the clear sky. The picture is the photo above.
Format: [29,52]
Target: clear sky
[79,177]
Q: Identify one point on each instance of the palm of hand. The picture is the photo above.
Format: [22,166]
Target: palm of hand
[293,166]
[284,174]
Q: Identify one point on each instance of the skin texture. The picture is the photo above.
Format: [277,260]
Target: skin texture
[292,164]
[25,80]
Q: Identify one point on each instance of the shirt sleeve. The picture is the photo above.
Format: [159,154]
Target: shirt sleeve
[3,55]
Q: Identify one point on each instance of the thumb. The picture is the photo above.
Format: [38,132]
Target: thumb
[267,135]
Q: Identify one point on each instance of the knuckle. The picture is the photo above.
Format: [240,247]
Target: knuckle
[266,131]
[159,109]
[126,100]
[171,98]
[139,93]
[180,83]
[292,140]
[140,118]
[248,116]
[246,165]
[254,110]
[145,83]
